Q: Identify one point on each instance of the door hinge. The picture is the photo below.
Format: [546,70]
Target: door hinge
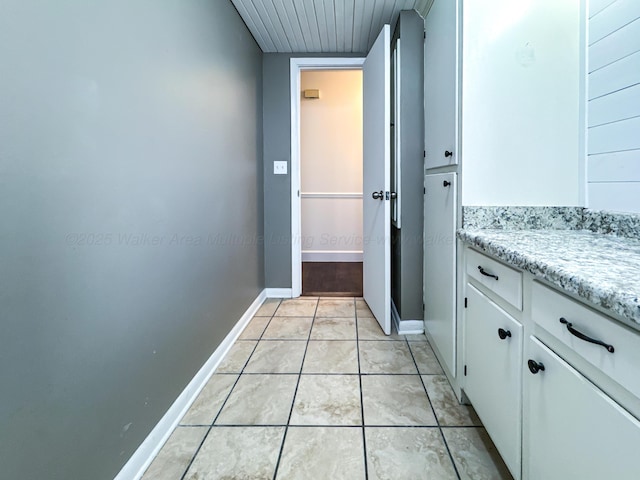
[425,34]
[466,302]
[424,190]
[465,370]
[424,154]
[423,306]
[298,193]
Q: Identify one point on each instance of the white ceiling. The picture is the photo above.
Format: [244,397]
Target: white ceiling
[321,25]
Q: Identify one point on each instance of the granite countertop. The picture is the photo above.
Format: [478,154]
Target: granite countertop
[603,270]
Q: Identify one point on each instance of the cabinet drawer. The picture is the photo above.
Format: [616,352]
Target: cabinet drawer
[504,281]
[549,306]
[573,430]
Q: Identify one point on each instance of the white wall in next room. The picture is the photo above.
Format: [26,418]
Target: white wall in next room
[331,166]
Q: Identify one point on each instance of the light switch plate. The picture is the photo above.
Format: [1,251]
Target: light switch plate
[279,168]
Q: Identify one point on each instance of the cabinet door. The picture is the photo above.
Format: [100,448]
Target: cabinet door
[441,83]
[572,428]
[440,265]
[493,359]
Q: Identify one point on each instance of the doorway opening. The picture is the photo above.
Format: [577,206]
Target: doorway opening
[331,182]
[326,176]
[376,141]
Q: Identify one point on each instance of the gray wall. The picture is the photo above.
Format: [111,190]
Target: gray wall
[408,245]
[119,119]
[277,146]
[277,188]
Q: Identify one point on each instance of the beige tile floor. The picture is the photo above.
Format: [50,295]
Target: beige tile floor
[313,389]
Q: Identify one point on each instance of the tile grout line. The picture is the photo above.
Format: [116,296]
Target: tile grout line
[319,425]
[444,440]
[285,426]
[206,435]
[326,339]
[329,373]
[295,393]
[364,437]
[382,425]
[446,445]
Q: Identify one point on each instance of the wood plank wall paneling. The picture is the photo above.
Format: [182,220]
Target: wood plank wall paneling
[258,29]
[613,18]
[596,6]
[615,77]
[618,44]
[321,26]
[614,105]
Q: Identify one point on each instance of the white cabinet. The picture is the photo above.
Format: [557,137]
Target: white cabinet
[441,84]
[440,203]
[556,404]
[506,282]
[506,98]
[503,106]
[618,354]
[493,373]
[441,211]
[573,429]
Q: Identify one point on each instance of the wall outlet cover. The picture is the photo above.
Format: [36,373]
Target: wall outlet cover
[280,168]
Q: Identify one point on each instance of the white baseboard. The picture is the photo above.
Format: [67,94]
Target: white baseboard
[147,451]
[332,256]
[406,327]
[410,327]
[278,292]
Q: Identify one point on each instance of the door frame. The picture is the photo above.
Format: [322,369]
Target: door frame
[297,66]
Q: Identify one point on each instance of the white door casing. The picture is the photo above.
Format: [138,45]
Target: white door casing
[297,65]
[377,173]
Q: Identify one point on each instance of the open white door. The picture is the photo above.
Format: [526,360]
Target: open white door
[376,181]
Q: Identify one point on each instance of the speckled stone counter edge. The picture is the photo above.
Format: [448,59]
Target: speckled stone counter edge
[552,218]
[612,301]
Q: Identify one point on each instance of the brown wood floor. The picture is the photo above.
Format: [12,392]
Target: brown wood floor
[332,279]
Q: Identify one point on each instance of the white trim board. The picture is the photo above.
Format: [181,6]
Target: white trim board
[330,195]
[149,448]
[297,65]
[406,327]
[332,256]
[278,292]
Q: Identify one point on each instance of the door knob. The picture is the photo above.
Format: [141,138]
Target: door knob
[502,333]
[394,195]
[378,195]
[447,153]
[446,183]
[535,367]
